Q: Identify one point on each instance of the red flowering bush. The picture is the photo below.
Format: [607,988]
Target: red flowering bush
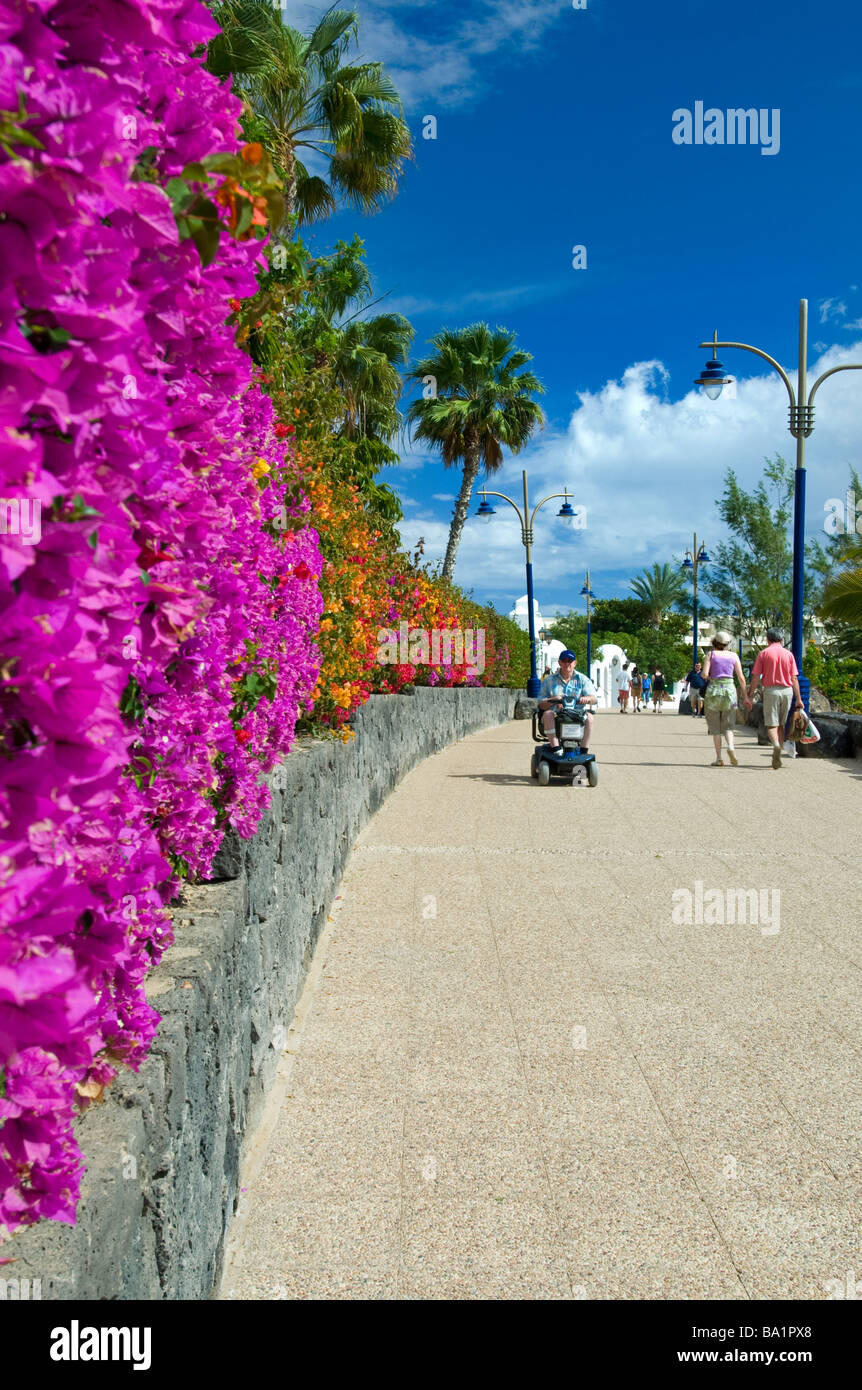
[156,647]
[375,597]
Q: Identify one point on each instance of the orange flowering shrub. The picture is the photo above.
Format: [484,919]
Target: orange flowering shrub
[378,603]
[386,623]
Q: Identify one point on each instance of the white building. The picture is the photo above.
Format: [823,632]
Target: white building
[607,663]
[547,653]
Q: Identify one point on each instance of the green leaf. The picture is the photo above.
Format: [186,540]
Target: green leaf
[243,221]
[179,193]
[195,171]
[205,236]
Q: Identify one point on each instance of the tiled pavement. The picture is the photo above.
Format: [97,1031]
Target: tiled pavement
[515,1076]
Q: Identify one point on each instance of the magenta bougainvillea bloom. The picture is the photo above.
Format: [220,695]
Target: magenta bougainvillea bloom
[157,615]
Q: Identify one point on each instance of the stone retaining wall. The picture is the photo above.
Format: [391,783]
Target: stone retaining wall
[840,734]
[163,1150]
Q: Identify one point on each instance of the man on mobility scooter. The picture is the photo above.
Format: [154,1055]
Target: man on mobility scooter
[563,701]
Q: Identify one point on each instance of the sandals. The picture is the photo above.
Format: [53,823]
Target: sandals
[718,763]
[734,761]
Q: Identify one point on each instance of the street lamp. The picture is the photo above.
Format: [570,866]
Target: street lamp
[587,593]
[712,379]
[694,558]
[526,518]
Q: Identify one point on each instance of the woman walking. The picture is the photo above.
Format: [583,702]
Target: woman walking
[657,691]
[636,689]
[720,669]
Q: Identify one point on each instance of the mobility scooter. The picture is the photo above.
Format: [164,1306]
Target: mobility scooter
[566,762]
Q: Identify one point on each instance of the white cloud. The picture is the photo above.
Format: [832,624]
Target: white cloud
[485,303]
[443,496]
[411,460]
[438,64]
[832,309]
[649,471]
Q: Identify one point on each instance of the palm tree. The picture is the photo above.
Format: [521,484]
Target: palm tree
[301,95]
[842,598]
[366,366]
[480,403]
[659,588]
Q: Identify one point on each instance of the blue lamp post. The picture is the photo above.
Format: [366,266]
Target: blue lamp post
[587,593]
[526,518]
[712,380]
[694,558]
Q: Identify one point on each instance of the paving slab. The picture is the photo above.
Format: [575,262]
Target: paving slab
[521,1072]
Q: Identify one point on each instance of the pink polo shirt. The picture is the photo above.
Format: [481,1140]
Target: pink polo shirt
[775,665]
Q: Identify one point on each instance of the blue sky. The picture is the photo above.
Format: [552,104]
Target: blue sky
[554,129]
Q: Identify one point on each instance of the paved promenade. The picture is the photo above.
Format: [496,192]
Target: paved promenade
[515,1075]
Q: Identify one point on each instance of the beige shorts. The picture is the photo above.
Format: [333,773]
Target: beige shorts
[718,721]
[776,705]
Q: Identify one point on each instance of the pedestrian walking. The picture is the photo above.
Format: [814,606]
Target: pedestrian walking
[720,669]
[658,689]
[637,687]
[646,685]
[625,685]
[776,671]
[696,688]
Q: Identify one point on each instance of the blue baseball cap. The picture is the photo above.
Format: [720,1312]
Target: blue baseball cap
[567,656]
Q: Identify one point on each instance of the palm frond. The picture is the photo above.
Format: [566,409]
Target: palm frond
[842,599]
[314,198]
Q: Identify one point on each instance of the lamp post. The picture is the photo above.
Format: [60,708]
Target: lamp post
[712,379]
[694,558]
[587,593]
[526,519]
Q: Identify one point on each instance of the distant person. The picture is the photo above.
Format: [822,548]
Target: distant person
[720,669]
[776,671]
[625,686]
[658,689]
[646,685]
[546,672]
[696,688]
[637,688]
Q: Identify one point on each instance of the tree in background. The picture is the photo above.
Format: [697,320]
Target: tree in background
[366,366]
[620,615]
[571,630]
[479,404]
[627,623]
[753,572]
[303,96]
[667,648]
[660,589]
[842,531]
[842,600]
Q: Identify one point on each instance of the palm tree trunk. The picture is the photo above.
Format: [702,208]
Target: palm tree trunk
[289,160]
[471,469]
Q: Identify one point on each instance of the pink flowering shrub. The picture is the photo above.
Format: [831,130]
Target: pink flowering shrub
[157,638]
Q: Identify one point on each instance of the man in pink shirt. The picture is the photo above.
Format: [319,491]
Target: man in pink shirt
[775,669]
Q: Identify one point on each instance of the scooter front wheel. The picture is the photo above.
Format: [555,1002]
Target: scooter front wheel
[543,773]
[593,774]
